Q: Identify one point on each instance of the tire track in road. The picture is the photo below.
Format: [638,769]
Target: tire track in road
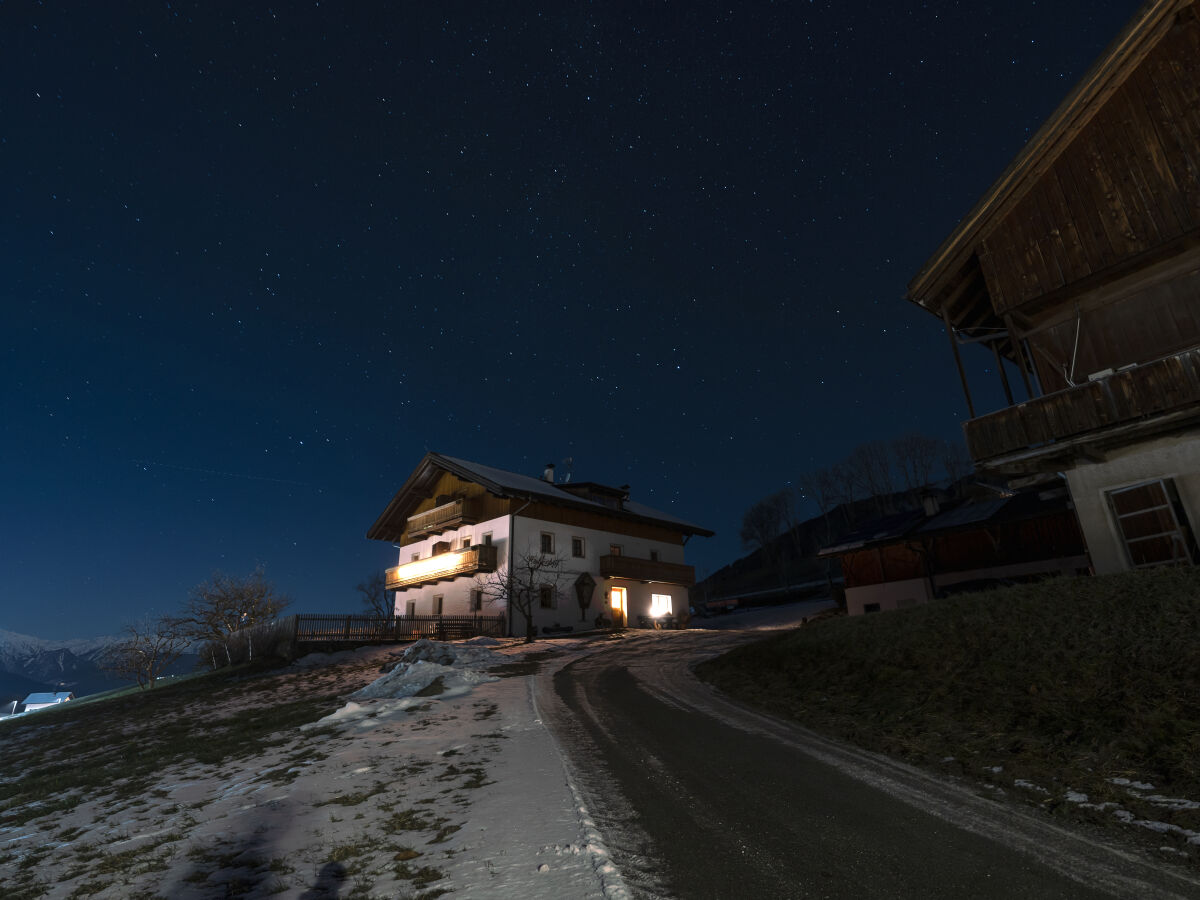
[714,800]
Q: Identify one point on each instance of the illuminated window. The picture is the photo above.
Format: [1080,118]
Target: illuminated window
[1152,524]
[577,547]
[660,605]
[547,542]
[546,597]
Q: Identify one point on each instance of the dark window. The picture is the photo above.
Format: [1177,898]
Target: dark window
[546,597]
[577,547]
[653,556]
[487,538]
[547,542]
[614,549]
[437,605]
[476,601]
[870,607]
[1152,523]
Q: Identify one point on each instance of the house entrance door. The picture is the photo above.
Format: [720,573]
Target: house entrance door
[619,607]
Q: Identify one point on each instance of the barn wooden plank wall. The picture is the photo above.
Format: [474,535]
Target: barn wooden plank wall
[1128,183]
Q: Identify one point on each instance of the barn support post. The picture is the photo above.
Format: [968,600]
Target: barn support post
[1003,375]
[1018,345]
[962,375]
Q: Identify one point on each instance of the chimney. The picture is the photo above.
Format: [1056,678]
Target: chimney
[548,475]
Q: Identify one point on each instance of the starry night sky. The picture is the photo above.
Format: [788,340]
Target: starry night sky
[258,259]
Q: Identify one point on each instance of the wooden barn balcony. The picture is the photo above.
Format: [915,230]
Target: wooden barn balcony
[443,567]
[443,518]
[646,570]
[1133,401]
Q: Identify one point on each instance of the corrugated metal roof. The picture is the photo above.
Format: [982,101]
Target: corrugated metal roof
[966,514]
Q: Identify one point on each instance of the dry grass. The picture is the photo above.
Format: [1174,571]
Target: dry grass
[1064,683]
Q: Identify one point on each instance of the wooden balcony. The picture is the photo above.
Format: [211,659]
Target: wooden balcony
[443,567]
[443,518]
[646,570]
[1139,400]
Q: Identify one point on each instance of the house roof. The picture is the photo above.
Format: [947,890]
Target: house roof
[391,523]
[951,281]
[960,517]
[51,697]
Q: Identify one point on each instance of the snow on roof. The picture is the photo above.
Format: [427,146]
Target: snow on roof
[527,484]
[513,484]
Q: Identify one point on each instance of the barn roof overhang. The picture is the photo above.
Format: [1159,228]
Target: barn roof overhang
[951,283]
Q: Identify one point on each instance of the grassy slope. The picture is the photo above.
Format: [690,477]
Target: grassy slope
[1065,683]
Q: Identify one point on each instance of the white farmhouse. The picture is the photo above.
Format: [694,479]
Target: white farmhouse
[455,522]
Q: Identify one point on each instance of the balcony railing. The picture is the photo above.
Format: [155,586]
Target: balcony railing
[443,567]
[1167,386]
[646,570]
[443,518]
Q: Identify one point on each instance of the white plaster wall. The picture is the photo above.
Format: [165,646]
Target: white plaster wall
[889,595]
[456,594]
[1176,457]
[527,539]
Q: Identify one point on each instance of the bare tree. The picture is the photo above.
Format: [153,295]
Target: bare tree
[916,457]
[532,579]
[870,468]
[956,461]
[844,484]
[146,649]
[377,600]
[225,604]
[820,487]
[762,522]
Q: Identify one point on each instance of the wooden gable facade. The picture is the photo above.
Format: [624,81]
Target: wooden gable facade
[1080,271]
[1083,261]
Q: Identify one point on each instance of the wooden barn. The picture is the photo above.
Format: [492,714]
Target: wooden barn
[910,557]
[1079,272]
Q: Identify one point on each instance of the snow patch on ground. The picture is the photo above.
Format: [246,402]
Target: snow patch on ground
[1030,786]
[465,784]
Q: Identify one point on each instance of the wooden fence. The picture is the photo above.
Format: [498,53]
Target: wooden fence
[313,628]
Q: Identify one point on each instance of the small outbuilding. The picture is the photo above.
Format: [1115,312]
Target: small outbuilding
[909,558]
[42,700]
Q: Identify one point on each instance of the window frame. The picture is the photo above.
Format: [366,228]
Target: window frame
[1181,536]
[547,542]
[582,545]
[547,598]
